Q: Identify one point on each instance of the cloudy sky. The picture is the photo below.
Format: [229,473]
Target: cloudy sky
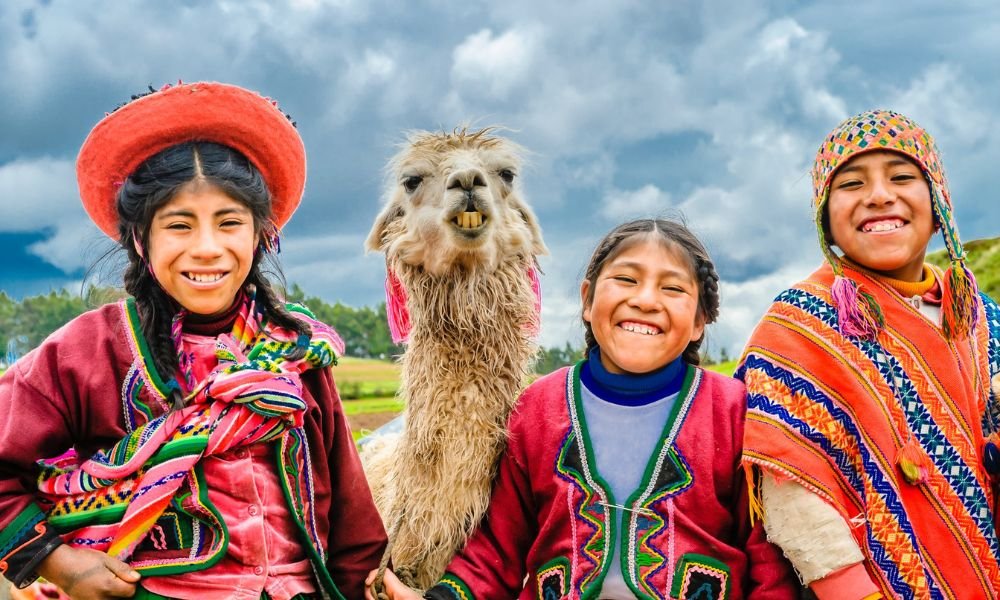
[711,110]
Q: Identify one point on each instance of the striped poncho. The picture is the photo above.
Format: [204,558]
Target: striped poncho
[833,413]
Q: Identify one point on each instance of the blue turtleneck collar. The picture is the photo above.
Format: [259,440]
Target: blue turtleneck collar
[629,389]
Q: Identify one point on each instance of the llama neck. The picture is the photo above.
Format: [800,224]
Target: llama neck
[468,328]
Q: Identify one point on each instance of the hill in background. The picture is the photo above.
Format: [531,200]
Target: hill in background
[983,260]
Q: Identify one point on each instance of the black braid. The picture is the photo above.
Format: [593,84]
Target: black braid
[708,300]
[156,312]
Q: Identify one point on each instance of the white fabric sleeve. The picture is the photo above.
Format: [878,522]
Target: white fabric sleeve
[811,533]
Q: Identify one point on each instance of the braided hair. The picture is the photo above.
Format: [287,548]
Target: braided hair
[152,185]
[676,236]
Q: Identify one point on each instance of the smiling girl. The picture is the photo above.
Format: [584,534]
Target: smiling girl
[621,478]
[868,386]
[199,446]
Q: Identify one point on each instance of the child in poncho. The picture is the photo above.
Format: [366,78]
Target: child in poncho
[196,444]
[871,432]
[621,478]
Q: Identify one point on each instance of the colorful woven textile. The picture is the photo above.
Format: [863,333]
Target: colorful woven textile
[833,412]
[254,395]
[887,130]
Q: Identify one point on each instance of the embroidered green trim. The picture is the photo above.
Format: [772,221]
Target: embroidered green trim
[216,525]
[664,460]
[700,577]
[593,483]
[454,584]
[17,530]
[553,579]
[318,564]
[146,356]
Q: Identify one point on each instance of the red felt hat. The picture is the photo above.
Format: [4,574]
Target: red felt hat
[203,111]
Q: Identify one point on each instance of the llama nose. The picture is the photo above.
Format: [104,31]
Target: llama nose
[467,179]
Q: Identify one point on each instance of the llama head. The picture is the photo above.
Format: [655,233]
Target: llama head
[454,201]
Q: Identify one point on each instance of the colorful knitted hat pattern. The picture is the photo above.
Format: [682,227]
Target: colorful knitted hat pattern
[859,313]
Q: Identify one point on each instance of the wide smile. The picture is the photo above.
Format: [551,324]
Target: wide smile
[204,280]
[640,328]
[882,225]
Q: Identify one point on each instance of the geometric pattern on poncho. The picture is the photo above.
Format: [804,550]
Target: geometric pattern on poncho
[793,399]
[892,368]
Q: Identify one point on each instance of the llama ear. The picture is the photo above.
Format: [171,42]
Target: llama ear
[538,246]
[376,237]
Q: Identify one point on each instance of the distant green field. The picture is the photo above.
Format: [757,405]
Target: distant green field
[365,378]
[982,260]
[373,405]
[726,368]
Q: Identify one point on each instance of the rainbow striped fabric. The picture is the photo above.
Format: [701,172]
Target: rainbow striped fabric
[112,500]
[833,412]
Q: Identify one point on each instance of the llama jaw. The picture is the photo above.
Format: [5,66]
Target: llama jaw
[470,223]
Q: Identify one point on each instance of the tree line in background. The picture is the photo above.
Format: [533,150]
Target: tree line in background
[365,330]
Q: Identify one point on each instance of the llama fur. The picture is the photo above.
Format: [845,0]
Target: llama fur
[473,315]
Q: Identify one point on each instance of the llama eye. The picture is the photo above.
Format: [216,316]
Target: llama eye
[411,183]
[507,175]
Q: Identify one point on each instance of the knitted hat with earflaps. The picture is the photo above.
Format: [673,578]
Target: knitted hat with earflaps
[191,112]
[858,312]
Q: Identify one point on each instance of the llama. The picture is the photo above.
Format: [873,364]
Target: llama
[462,245]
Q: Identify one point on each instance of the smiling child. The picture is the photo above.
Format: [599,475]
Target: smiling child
[868,386]
[621,478]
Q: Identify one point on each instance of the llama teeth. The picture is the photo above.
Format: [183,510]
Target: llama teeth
[469,220]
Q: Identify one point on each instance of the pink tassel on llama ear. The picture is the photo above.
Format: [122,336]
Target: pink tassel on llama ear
[858,313]
[536,287]
[959,301]
[396,311]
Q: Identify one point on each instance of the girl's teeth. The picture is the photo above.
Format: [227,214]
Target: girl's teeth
[205,278]
[640,329]
[883,227]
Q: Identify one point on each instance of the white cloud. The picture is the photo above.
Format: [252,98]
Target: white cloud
[41,195]
[36,193]
[493,66]
[744,303]
[943,101]
[648,200]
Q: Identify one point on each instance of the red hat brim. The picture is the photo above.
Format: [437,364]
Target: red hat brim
[203,111]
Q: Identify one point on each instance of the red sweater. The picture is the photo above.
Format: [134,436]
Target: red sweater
[73,390]
[689,530]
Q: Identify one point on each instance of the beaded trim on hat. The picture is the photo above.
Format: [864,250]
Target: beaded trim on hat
[858,311]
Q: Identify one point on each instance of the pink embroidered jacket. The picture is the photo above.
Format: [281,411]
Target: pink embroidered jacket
[91,377]
[551,517]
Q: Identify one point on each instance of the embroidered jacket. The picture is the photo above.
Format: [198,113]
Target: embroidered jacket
[552,519]
[834,412]
[92,382]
